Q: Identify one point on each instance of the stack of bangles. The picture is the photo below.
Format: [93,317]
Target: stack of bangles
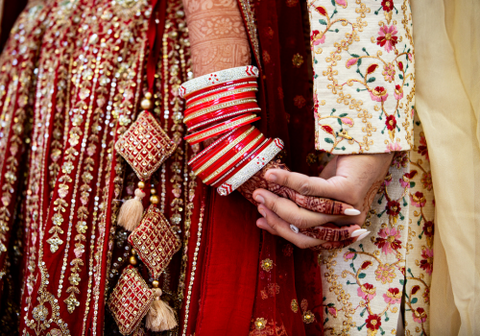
[223,104]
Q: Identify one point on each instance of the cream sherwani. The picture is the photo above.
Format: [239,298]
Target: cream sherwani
[384,84]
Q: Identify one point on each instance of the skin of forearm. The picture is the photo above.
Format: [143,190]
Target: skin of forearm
[217,35]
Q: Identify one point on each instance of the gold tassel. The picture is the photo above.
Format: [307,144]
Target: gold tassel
[131,211]
[161,316]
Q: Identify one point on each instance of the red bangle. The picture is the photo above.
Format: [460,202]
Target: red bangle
[223,93]
[223,104]
[229,98]
[230,151]
[232,171]
[206,150]
[218,173]
[192,122]
[232,103]
[227,150]
[197,94]
[222,118]
[221,128]
[220,147]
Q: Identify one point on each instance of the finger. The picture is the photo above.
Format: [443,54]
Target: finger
[333,245]
[322,205]
[340,244]
[291,212]
[330,169]
[262,224]
[314,204]
[277,226]
[307,185]
[333,233]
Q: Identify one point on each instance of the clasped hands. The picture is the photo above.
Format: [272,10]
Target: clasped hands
[352,179]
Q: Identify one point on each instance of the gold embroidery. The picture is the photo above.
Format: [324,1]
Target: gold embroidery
[267,264]
[260,323]
[294,305]
[297,60]
[249,17]
[308,317]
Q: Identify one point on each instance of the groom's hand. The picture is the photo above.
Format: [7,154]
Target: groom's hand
[353,179]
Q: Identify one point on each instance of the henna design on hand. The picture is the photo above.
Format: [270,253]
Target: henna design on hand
[333,245]
[312,203]
[326,233]
[217,35]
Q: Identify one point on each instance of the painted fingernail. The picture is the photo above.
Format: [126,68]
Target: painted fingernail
[294,228]
[272,178]
[363,235]
[351,212]
[358,232]
[259,199]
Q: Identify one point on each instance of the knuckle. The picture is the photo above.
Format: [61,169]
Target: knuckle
[305,188]
[300,221]
[272,204]
[284,179]
[273,225]
[354,196]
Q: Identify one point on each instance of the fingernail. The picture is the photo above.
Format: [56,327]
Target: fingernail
[259,199]
[294,228]
[262,212]
[363,235]
[351,212]
[272,178]
[358,232]
[262,224]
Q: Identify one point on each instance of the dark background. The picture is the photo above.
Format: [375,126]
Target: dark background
[11,10]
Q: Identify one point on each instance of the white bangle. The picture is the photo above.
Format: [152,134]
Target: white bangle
[251,168]
[216,78]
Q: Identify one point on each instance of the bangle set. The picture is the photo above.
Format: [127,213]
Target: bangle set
[223,104]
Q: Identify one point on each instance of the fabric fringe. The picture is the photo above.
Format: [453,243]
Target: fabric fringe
[161,316]
[131,211]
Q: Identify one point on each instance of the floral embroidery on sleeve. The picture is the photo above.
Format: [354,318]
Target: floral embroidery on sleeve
[364,84]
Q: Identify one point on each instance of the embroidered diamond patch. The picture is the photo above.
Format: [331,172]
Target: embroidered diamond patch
[154,241]
[130,300]
[145,146]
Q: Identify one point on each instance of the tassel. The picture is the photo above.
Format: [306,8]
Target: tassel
[131,211]
[161,316]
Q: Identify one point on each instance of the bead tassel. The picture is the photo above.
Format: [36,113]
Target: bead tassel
[131,211]
[161,316]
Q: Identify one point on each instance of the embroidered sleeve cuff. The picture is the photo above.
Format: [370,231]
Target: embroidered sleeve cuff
[364,84]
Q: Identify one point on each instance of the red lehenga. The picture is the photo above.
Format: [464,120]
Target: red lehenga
[72,75]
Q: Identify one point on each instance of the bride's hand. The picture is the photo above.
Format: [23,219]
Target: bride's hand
[353,179]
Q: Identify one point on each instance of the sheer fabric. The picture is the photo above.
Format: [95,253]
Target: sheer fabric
[447,42]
